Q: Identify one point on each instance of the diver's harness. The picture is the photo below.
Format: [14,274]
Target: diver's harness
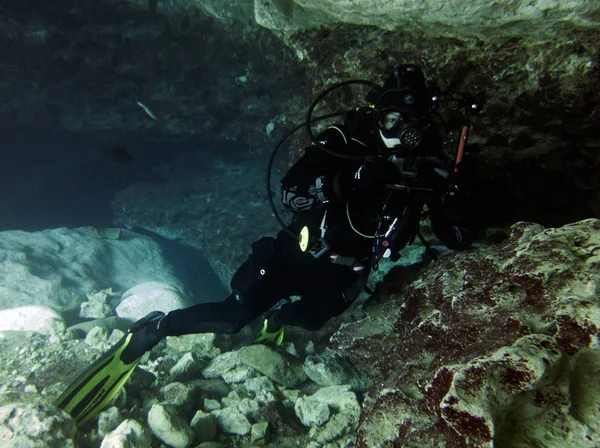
[393,232]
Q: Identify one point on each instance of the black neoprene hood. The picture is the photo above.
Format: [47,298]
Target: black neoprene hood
[405,90]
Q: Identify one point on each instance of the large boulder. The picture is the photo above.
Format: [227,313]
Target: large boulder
[151,296]
[278,366]
[31,318]
[57,268]
[496,345]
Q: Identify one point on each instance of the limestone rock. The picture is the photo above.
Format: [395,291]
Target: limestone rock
[257,385]
[236,13]
[512,332]
[110,323]
[329,369]
[109,420]
[210,405]
[310,412]
[285,370]
[248,407]
[261,388]
[30,318]
[151,296]
[97,337]
[232,421]
[336,427]
[35,424]
[229,367]
[210,387]
[95,310]
[115,336]
[97,306]
[140,381]
[203,344]
[169,427]
[186,368]
[259,434]
[470,409]
[129,434]
[287,15]
[60,266]
[291,394]
[412,15]
[205,427]
[233,399]
[177,394]
[340,399]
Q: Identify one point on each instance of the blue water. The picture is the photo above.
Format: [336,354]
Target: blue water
[51,179]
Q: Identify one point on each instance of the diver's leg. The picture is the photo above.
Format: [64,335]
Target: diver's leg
[228,317]
[312,311]
[255,290]
[333,294]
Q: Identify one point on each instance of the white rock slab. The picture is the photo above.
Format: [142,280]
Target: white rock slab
[151,296]
[30,318]
[57,268]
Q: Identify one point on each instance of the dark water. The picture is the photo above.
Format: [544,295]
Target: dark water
[52,179]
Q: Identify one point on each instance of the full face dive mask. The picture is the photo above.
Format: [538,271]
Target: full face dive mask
[398,130]
[402,108]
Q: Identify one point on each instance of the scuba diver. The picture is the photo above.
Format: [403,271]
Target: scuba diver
[358,194]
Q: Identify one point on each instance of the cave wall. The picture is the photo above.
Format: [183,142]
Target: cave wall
[198,68]
[535,63]
[245,71]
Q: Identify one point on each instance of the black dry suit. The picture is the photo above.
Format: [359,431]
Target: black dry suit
[341,202]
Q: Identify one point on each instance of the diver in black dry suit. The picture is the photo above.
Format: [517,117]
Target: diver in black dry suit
[342,200]
[358,194]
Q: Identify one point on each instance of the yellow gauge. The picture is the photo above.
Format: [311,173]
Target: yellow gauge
[303,239]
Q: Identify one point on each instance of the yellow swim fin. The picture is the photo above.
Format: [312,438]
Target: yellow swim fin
[266,335]
[95,387]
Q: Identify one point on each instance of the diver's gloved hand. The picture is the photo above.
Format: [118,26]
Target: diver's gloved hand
[455,200]
[145,334]
[463,177]
[453,205]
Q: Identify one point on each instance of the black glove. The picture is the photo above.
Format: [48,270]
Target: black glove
[145,334]
[457,199]
[453,205]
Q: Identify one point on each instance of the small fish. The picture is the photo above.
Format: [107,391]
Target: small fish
[147,110]
[117,154]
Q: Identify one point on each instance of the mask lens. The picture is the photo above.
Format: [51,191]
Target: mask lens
[390,120]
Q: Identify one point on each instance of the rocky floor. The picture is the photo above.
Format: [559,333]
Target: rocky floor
[495,346]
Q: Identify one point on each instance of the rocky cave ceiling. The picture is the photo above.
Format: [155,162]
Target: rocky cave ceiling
[228,69]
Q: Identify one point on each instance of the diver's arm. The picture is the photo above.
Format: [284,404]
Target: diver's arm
[226,317]
[311,182]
